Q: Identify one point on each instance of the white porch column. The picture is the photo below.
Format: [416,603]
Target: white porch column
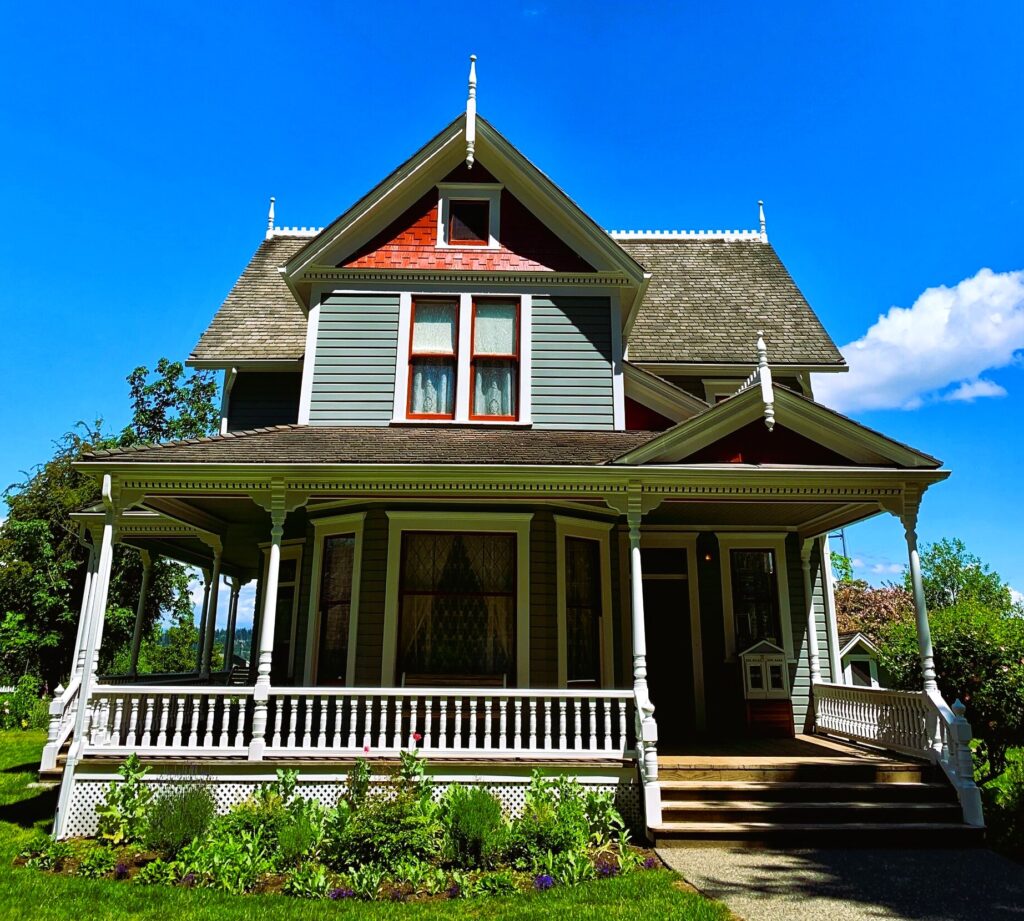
[229,641]
[147,571]
[201,639]
[211,614]
[912,503]
[93,634]
[647,728]
[78,662]
[812,627]
[267,622]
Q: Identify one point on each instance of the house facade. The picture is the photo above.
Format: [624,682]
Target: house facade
[515,491]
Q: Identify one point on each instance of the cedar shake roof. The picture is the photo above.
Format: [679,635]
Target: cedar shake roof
[260,320]
[413,444]
[708,299]
[706,302]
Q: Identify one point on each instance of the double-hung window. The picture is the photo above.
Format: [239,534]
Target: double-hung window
[464,359]
[433,359]
[495,359]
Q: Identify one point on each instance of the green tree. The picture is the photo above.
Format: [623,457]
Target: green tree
[952,576]
[42,559]
[842,567]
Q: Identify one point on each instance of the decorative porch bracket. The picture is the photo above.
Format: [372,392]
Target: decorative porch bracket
[279,502]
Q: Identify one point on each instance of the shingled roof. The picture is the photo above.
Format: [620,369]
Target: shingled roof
[260,320]
[708,299]
[706,302]
[414,444]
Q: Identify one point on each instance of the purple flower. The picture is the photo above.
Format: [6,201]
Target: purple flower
[651,863]
[188,880]
[542,882]
[341,893]
[121,871]
[606,868]
[454,891]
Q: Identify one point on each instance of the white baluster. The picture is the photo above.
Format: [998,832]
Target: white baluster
[488,716]
[225,723]
[428,728]
[608,724]
[594,733]
[293,717]
[179,721]
[240,708]
[532,704]
[275,736]
[562,741]
[211,719]
[382,739]
[193,730]
[577,723]
[414,706]
[472,723]
[118,712]
[442,729]
[396,740]
[621,746]
[165,712]
[307,724]
[457,744]
[517,729]
[503,723]
[353,720]
[133,720]
[547,723]
[339,703]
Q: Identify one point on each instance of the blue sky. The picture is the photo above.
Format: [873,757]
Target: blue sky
[141,143]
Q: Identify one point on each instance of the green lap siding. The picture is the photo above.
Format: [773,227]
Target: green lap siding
[571,384]
[354,368]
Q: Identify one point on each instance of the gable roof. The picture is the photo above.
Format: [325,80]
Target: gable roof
[793,411]
[716,296]
[847,642]
[407,444]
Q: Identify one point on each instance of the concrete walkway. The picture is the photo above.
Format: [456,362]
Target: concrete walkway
[853,885]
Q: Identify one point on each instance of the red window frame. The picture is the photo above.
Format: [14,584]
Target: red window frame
[515,302]
[453,357]
[455,241]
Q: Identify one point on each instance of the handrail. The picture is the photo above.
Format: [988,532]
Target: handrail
[63,708]
[918,723]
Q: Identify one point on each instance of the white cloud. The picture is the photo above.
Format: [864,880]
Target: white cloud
[886,569]
[937,349]
[246,605]
[1018,597]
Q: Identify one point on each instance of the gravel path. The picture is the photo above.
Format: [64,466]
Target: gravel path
[853,885]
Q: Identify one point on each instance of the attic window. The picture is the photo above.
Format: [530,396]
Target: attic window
[469,222]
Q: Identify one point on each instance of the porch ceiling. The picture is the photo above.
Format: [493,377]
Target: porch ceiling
[807,518]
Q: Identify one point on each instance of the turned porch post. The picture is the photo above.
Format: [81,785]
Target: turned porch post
[140,612]
[229,640]
[211,614]
[201,638]
[261,693]
[812,627]
[912,502]
[78,663]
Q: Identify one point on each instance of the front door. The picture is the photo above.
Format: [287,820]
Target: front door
[669,644]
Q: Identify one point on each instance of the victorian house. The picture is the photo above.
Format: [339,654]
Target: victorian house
[518,491]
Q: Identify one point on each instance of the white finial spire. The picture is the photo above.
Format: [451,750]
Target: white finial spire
[471,113]
[764,373]
[764,225]
[270,218]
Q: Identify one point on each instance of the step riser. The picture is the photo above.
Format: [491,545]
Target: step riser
[876,793]
[800,774]
[839,838]
[837,814]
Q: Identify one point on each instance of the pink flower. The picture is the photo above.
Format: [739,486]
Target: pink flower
[366,749]
[416,737]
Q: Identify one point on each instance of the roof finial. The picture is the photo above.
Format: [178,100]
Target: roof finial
[471,113]
[764,226]
[764,373]
[270,218]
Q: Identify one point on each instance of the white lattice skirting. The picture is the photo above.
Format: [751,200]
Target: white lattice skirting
[229,788]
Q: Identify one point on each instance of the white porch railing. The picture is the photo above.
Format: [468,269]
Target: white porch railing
[918,723]
[373,722]
[63,708]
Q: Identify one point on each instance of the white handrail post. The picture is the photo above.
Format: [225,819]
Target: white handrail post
[98,605]
[140,612]
[211,614]
[970,794]
[261,693]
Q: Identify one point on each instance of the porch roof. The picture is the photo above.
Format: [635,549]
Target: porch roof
[414,444]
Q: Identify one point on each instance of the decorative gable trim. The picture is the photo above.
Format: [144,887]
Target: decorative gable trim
[812,420]
[663,397]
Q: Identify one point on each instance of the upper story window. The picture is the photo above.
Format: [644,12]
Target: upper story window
[469,222]
[468,214]
[495,359]
[464,360]
[433,358]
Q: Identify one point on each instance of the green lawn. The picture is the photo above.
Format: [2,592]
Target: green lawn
[31,894]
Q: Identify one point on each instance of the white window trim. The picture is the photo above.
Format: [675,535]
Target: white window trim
[852,657]
[688,543]
[600,532]
[333,526]
[309,359]
[463,361]
[517,523]
[489,192]
[715,387]
[230,375]
[290,550]
[747,541]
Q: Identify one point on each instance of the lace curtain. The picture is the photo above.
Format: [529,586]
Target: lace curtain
[432,384]
[495,378]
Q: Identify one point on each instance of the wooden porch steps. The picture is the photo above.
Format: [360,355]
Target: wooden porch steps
[829,797]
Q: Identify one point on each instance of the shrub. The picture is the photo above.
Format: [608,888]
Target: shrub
[1004,807]
[501,882]
[554,819]
[158,873]
[476,833]
[301,837]
[97,862]
[383,831]
[227,858]
[123,815]
[47,854]
[25,707]
[310,881]
[179,815]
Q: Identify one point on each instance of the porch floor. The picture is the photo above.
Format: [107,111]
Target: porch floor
[753,753]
